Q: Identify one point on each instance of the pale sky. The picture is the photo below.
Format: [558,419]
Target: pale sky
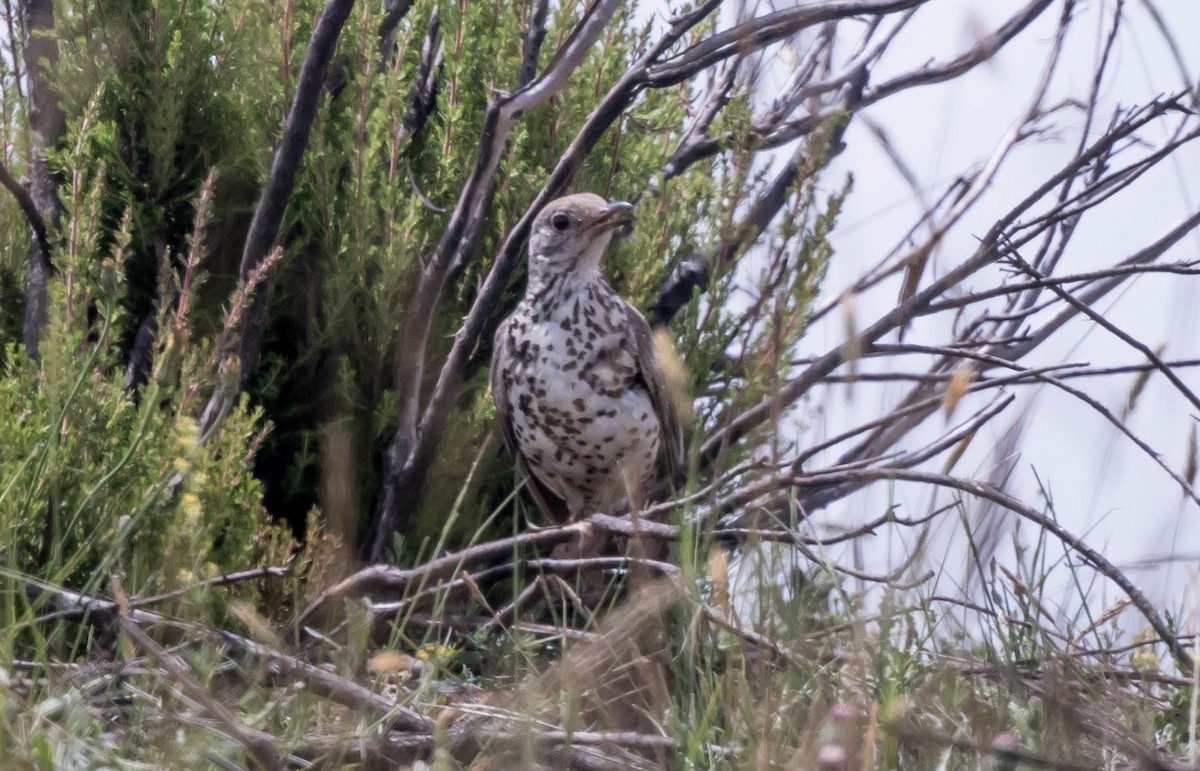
[1104,488]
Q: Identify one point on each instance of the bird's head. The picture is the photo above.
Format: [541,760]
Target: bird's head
[570,233]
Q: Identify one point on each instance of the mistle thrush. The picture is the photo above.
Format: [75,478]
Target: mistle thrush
[581,400]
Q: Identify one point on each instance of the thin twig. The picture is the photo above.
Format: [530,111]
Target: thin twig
[1001,498]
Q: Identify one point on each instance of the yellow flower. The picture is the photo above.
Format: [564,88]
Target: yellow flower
[187,433]
[434,652]
[189,503]
[1144,661]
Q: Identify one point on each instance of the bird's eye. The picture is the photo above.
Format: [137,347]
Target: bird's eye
[560,222]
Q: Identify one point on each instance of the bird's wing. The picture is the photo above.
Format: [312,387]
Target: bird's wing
[552,507]
[671,430]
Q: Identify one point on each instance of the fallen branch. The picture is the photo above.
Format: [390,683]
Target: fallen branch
[257,745]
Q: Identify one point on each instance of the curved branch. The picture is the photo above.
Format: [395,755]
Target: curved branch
[741,424]
[268,214]
[30,210]
[761,32]
[102,611]
[777,133]
[532,45]
[423,96]
[697,271]
[983,50]
[394,12]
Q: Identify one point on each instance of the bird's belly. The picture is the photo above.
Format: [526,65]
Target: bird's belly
[597,444]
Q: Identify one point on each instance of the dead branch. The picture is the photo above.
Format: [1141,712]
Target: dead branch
[410,451]
[1015,258]
[767,498]
[628,636]
[394,12]
[261,747]
[30,210]
[761,32]
[870,447]
[268,214]
[777,129]
[279,666]
[994,245]
[78,612]
[39,49]
[919,737]
[423,96]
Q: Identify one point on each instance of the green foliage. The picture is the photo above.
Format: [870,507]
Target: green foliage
[96,478]
[103,484]
[100,480]
[169,90]
[160,93]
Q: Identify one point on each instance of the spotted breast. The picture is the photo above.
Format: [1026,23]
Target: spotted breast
[580,397]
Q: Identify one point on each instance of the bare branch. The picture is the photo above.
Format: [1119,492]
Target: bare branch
[982,50]
[532,46]
[423,96]
[268,214]
[394,12]
[280,666]
[39,48]
[30,210]
[775,130]
[1119,333]
[761,32]
[807,160]
[258,745]
[991,248]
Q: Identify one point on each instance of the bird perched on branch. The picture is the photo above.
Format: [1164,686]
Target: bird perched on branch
[580,395]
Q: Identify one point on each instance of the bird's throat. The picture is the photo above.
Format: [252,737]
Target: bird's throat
[550,284]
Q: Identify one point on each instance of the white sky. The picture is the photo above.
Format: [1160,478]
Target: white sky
[1104,488]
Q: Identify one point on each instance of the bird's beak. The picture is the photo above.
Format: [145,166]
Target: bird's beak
[617,217]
